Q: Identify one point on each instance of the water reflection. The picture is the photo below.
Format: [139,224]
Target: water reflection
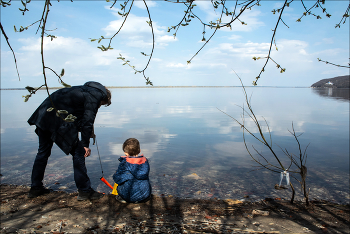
[194,149]
[340,94]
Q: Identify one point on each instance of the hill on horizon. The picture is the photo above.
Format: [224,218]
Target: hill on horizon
[336,82]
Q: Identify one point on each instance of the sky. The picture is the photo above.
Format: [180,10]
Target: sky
[229,51]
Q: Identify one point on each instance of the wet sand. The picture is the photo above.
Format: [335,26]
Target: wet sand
[60,212]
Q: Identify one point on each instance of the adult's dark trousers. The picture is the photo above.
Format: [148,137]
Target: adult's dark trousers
[81,178]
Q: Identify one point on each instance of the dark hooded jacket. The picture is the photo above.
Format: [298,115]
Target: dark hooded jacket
[132,178]
[80,101]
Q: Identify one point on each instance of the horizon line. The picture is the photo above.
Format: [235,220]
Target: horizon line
[174,86]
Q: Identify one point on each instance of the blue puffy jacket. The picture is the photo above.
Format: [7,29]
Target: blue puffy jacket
[132,178]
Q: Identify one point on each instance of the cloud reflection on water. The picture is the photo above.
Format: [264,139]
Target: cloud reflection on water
[151,141]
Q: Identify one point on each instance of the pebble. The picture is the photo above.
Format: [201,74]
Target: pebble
[260,212]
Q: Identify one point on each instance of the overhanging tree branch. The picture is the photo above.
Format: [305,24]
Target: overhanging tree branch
[337,65]
[13,53]
[271,43]
[344,18]
[185,20]
[218,26]
[70,117]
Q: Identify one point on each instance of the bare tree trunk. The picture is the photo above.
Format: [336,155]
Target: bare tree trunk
[303,172]
[306,195]
[293,193]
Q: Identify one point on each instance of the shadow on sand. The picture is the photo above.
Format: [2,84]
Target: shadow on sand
[59,212]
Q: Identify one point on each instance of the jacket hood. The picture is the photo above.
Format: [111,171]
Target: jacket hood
[138,166]
[98,86]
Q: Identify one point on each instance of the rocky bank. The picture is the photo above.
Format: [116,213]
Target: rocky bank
[60,212]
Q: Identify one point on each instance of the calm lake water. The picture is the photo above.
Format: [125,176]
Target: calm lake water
[194,149]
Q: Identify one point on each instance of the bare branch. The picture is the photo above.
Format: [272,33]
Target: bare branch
[44,20]
[150,57]
[13,53]
[337,65]
[220,26]
[345,16]
[271,43]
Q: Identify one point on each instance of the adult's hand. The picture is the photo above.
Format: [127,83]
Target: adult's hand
[87,152]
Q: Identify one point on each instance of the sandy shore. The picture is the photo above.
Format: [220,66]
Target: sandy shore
[60,212]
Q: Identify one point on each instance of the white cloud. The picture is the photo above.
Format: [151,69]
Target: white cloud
[278,5]
[291,44]
[303,52]
[139,43]
[58,43]
[205,5]
[138,33]
[166,38]
[293,53]
[330,52]
[217,65]
[141,4]
[133,26]
[154,59]
[248,49]
[250,17]
[235,37]
[176,65]
[81,59]
[328,40]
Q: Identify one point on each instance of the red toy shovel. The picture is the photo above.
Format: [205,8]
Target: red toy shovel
[106,182]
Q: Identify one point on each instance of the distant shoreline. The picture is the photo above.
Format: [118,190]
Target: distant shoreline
[158,87]
[339,82]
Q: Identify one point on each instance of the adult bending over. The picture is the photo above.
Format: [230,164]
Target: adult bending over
[82,102]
